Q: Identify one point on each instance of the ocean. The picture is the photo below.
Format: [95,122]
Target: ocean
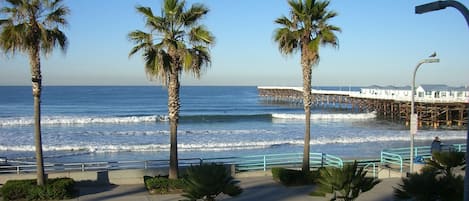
[120,123]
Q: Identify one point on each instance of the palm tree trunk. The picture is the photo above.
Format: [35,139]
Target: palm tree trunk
[36,87]
[173,110]
[307,107]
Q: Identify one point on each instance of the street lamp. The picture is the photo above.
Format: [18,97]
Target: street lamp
[413,116]
[438,5]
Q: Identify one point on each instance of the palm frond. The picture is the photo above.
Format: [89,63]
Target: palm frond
[348,182]
[57,17]
[284,21]
[142,40]
[194,14]
[53,38]
[14,38]
[287,40]
[145,11]
[200,34]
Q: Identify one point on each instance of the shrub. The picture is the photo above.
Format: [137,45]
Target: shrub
[55,189]
[162,185]
[289,177]
[17,189]
[206,182]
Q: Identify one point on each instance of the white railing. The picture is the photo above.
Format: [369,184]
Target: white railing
[356,94]
[417,99]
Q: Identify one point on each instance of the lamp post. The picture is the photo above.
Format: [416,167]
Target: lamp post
[413,116]
[438,5]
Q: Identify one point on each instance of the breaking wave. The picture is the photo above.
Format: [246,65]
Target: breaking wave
[71,120]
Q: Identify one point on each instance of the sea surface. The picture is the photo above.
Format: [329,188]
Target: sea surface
[119,123]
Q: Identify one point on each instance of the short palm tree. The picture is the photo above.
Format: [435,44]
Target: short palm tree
[207,181]
[175,42]
[437,180]
[445,162]
[305,30]
[32,27]
[344,183]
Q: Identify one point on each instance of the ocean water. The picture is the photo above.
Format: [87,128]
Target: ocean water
[116,123]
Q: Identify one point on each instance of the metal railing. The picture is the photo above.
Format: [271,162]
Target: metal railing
[368,165]
[400,156]
[294,160]
[245,163]
[96,166]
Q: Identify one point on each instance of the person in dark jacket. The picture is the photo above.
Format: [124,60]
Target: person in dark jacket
[436,145]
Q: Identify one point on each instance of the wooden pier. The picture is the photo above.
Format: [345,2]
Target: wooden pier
[431,113]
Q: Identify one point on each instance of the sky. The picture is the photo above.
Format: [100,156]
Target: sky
[380,44]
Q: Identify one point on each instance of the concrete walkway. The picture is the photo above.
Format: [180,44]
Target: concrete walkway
[256,188]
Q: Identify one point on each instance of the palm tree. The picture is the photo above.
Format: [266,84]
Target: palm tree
[437,181]
[345,183]
[32,27]
[175,43]
[207,181]
[305,30]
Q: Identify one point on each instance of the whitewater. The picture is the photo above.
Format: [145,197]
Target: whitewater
[83,124]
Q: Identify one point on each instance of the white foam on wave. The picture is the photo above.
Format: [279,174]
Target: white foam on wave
[69,120]
[347,116]
[153,147]
[94,147]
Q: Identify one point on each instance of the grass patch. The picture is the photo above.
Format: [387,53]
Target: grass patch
[163,185]
[289,177]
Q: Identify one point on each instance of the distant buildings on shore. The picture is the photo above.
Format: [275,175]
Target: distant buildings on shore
[424,93]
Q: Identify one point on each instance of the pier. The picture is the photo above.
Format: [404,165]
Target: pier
[434,108]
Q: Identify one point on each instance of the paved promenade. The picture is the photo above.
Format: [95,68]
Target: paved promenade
[255,188]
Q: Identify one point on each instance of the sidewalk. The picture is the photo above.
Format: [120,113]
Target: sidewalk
[254,188]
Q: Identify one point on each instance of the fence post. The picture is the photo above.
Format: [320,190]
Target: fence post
[416,153]
[18,169]
[265,165]
[82,167]
[374,170]
[145,165]
[323,155]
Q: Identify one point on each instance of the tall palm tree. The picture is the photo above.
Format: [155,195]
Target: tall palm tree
[305,31]
[32,27]
[175,42]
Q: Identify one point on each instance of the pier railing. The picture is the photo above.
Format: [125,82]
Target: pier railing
[399,157]
[245,163]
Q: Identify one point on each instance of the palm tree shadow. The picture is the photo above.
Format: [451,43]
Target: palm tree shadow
[92,187]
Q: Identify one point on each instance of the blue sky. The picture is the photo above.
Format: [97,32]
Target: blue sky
[380,43]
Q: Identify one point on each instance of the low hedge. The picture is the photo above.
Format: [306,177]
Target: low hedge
[289,177]
[55,189]
[163,185]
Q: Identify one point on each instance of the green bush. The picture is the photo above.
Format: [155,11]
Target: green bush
[55,189]
[17,189]
[289,177]
[162,185]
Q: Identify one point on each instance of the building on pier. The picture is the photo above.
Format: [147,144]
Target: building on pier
[436,105]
